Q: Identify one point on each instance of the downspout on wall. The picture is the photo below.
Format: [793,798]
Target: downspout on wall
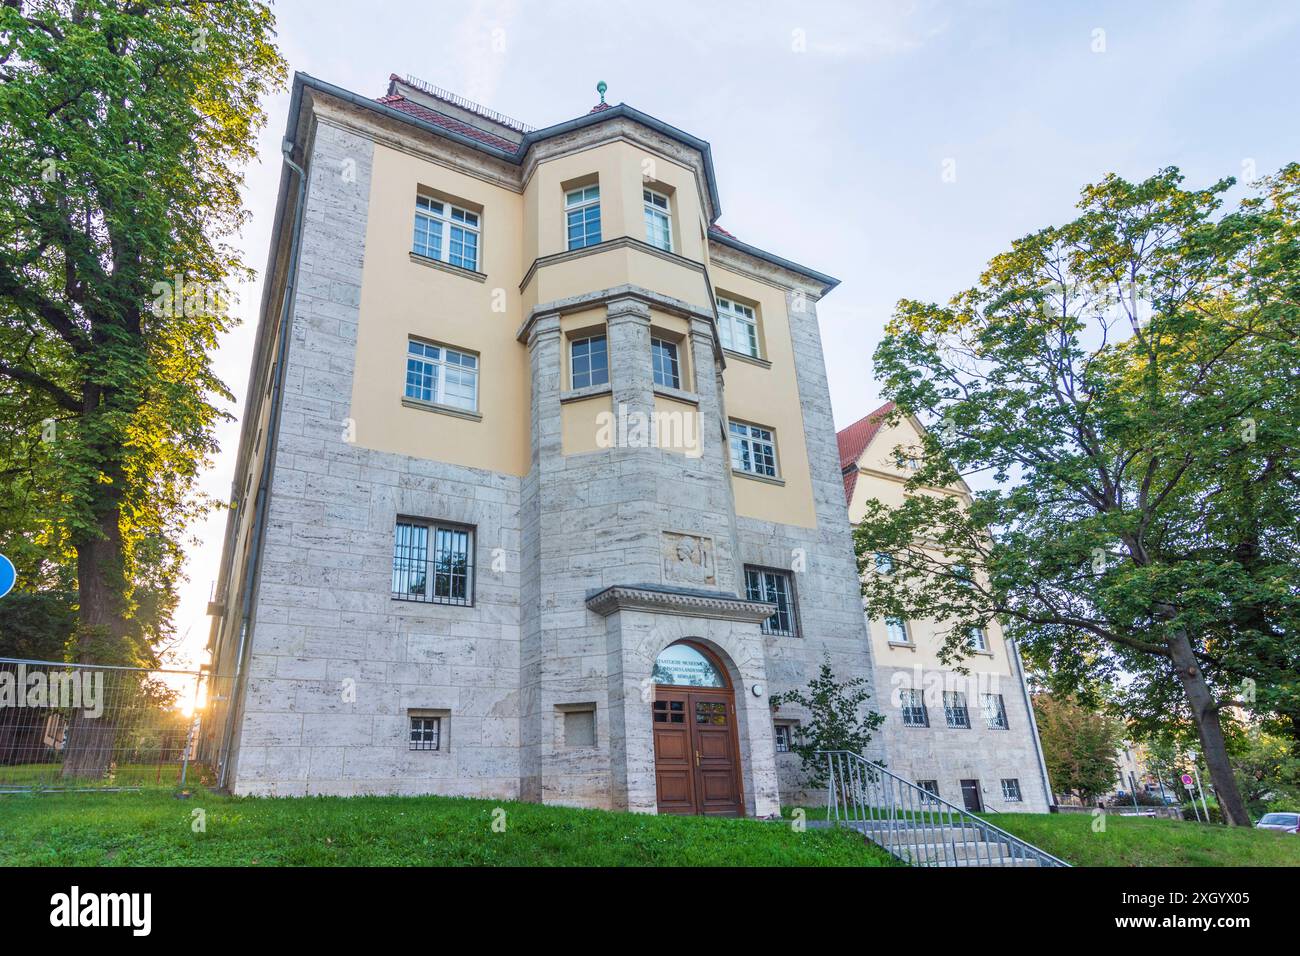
[1033,724]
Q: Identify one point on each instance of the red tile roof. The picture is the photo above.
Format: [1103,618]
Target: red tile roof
[720,231]
[599,108]
[399,102]
[853,441]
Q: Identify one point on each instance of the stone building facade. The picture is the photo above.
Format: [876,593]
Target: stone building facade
[970,737]
[538,492]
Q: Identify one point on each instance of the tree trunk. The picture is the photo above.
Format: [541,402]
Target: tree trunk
[101,636]
[1206,714]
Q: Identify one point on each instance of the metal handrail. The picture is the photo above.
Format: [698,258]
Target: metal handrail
[914,825]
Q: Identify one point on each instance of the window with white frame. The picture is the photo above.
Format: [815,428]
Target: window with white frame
[664,356]
[658,220]
[896,630]
[588,361]
[737,327]
[433,562]
[913,705]
[582,215]
[995,712]
[784,737]
[773,587]
[445,232]
[425,732]
[978,639]
[954,709]
[441,376]
[884,563]
[753,449]
[1011,789]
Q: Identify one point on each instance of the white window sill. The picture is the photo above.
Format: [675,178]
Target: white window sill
[907,644]
[451,410]
[679,394]
[448,267]
[763,478]
[587,391]
[743,357]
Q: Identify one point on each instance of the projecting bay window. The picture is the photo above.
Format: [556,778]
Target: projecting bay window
[658,220]
[433,562]
[441,376]
[582,216]
[737,327]
[753,449]
[446,233]
[667,371]
[773,587]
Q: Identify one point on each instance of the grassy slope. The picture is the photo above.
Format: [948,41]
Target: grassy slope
[1139,841]
[154,828]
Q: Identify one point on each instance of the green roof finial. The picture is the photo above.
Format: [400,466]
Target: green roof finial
[601,88]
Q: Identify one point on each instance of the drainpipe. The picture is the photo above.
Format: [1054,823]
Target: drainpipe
[235,708]
[1033,724]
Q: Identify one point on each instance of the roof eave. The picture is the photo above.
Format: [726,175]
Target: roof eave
[827,282]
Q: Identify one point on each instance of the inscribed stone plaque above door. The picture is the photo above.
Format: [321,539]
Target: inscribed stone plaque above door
[688,559]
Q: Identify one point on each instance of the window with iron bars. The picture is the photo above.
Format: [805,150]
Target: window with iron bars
[1011,789]
[954,709]
[773,587]
[426,733]
[433,562]
[995,712]
[914,712]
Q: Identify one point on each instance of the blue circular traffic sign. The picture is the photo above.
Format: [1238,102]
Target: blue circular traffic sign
[8,574]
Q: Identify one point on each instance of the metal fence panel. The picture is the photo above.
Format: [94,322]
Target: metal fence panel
[92,727]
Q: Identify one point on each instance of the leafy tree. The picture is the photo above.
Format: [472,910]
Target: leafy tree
[837,720]
[1129,380]
[1079,746]
[124,125]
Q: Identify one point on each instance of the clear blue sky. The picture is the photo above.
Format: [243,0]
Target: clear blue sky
[831,123]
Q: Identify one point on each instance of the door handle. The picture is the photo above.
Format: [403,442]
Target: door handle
[697,758]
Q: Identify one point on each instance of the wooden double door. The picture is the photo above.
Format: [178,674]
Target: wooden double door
[697,767]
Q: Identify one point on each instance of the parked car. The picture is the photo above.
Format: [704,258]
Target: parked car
[1286,822]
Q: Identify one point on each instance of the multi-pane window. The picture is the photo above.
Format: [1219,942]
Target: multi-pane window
[582,214]
[772,587]
[1011,789]
[978,640]
[589,361]
[753,449]
[954,709]
[433,563]
[929,786]
[658,220]
[784,735]
[666,370]
[426,733]
[884,563]
[737,327]
[913,704]
[446,232]
[896,629]
[995,712]
[435,373]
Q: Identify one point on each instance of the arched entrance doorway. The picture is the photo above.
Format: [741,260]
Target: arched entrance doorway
[697,755]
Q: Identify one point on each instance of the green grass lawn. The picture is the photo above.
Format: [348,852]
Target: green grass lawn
[1138,841]
[40,776]
[154,828]
[1142,841]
